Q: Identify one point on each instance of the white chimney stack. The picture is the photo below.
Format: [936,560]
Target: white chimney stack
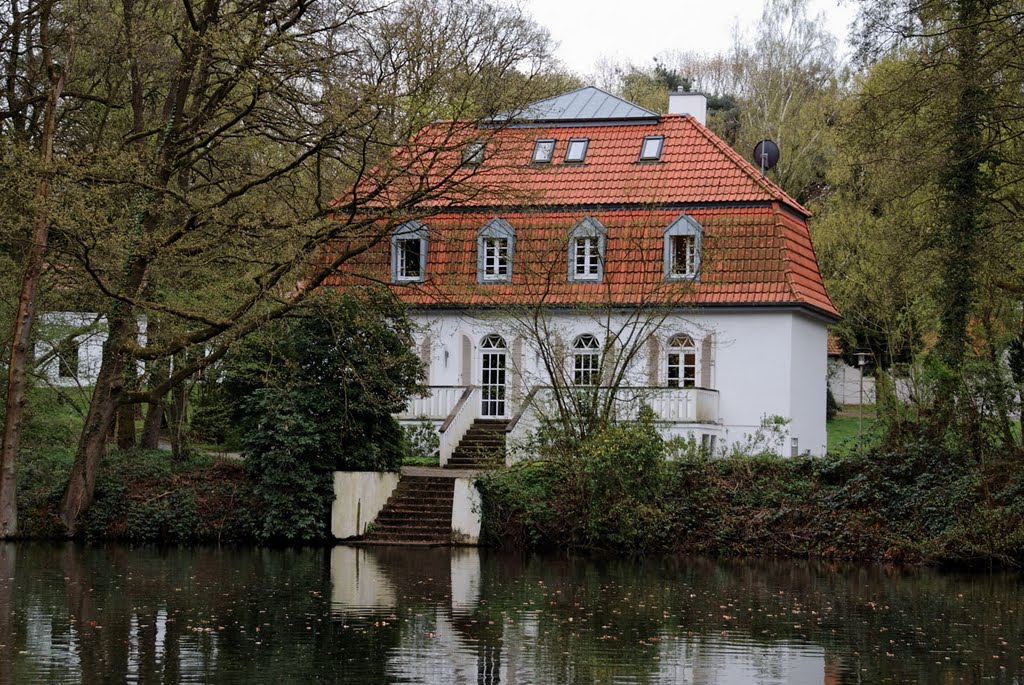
[694,104]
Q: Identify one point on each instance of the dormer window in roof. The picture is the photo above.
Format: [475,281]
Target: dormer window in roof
[496,245]
[682,248]
[650,151]
[586,250]
[473,154]
[409,253]
[576,151]
[544,151]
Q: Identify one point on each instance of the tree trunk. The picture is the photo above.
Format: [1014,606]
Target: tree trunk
[126,413]
[80,491]
[17,372]
[151,426]
[177,419]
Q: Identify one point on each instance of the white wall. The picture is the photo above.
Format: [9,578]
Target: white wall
[810,370]
[358,498]
[467,514]
[765,363]
[90,332]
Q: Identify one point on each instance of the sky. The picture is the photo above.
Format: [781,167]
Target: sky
[638,30]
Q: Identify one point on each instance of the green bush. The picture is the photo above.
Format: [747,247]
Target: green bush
[319,394]
[618,492]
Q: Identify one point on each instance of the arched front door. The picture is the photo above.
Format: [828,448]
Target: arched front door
[493,357]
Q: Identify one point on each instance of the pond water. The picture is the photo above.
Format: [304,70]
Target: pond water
[112,614]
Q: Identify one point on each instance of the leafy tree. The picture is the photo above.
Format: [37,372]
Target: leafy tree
[315,393]
[204,154]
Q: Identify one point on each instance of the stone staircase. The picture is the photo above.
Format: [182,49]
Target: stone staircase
[419,511]
[483,446]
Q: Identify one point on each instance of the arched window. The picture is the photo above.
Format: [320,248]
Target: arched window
[496,245]
[682,362]
[493,342]
[682,249]
[586,250]
[409,252]
[493,363]
[586,361]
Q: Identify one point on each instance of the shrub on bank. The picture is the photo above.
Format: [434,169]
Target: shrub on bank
[619,492]
[143,496]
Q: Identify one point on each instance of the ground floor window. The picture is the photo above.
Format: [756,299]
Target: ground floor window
[586,361]
[682,362]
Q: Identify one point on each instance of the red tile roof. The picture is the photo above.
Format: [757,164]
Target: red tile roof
[757,248]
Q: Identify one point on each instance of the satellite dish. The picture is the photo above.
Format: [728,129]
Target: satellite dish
[766,155]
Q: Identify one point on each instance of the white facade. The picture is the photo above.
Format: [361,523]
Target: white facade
[750,364]
[70,347]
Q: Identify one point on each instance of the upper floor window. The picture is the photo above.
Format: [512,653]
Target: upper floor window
[586,250]
[473,154]
[682,362]
[495,250]
[576,150]
[682,248]
[651,149]
[409,252]
[544,151]
[586,359]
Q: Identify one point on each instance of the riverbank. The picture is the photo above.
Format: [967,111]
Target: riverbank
[143,496]
[917,506]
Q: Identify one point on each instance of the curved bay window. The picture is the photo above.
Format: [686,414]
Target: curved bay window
[682,362]
[586,361]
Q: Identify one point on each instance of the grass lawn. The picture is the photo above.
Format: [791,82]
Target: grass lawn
[842,432]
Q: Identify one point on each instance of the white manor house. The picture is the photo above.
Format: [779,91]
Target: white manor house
[629,250]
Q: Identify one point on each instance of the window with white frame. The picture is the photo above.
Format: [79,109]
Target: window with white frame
[495,251]
[682,362]
[409,252]
[586,250]
[682,251]
[586,361]
[544,150]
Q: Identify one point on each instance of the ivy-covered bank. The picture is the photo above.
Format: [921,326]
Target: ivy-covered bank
[618,491]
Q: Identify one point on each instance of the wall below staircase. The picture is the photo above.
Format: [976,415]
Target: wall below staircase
[358,498]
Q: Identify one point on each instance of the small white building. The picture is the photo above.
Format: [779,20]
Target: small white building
[626,249]
[69,347]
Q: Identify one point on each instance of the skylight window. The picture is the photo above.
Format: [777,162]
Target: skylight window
[473,155]
[544,151]
[651,150]
[577,149]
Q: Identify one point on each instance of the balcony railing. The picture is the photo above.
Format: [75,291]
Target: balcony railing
[670,405]
[437,406]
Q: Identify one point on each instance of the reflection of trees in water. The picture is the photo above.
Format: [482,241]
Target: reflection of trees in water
[250,615]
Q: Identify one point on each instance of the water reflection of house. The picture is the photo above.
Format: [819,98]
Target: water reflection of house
[452,634]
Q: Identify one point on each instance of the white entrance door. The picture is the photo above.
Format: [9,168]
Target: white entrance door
[493,354]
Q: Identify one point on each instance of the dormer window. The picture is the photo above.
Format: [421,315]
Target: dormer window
[651,149]
[576,151]
[473,154]
[409,253]
[682,248]
[586,250]
[495,249]
[544,151]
